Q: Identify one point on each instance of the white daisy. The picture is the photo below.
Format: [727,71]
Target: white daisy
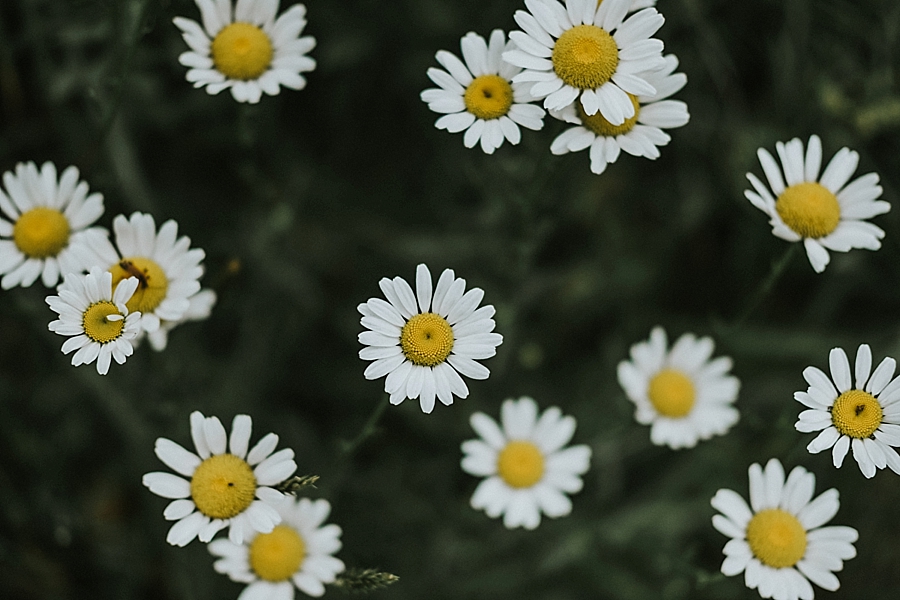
[683,394]
[296,553]
[825,212]
[199,309]
[639,136]
[420,347]
[479,97]
[224,488]
[95,318]
[587,52]
[44,236]
[525,466]
[781,545]
[247,50]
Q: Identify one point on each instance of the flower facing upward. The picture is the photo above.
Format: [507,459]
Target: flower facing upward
[780,545]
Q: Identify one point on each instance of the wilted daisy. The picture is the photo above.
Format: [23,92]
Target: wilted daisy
[421,340]
[585,52]
[780,545]
[248,49]
[298,552]
[526,468]
[225,487]
[47,219]
[825,212]
[865,416]
[479,97]
[683,394]
[95,318]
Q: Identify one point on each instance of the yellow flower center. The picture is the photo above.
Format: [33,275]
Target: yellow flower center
[585,57]
[277,555]
[856,413]
[809,209]
[426,339]
[152,282]
[41,232]
[242,51]
[602,127]
[671,393]
[223,486]
[488,97]
[777,538]
[96,324]
[520,464]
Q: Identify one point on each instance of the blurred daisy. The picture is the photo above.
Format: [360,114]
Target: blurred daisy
[683,394]
[639,136]
[224,487]
[781,545]
[247,50]
[199,309]
[585,52]
[296,553]
[865,416]
[420,347]
[825,212]
[95,318]
[47,219]
[478,96]
[526,468]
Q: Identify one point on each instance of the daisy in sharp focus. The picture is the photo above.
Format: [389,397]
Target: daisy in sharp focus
[527,470]
[226,486]
[681,393]
[825,212]
[247,49]
[479,97]
[423,341]
[780,545]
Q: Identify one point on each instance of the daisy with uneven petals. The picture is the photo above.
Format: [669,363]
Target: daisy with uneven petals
[780,545]
[825,212]
[681,393]
[225,486]
[199,309]
[297,553]
[420,340]
[247,50]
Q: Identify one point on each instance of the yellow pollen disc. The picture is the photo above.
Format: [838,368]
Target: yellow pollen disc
[276,556]
[41,232]
[152,282]
[672,393]
[809,209]
[601,126]
[97,326]
[777,538]
[242,51]
[856,413]
[426,339]
[488,97]
[223,486]
[520,464]
[585,57]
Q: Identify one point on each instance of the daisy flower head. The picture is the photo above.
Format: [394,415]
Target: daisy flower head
[778,542]
[825,212]
[43,223]
[423,341]
[682,394]
[526,469]
[478,96]
[226,485]
[296,553]
[246,49]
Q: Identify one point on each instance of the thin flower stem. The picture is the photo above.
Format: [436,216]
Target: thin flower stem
[349,448]
[763,290]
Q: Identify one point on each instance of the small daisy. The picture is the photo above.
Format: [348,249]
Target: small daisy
[825,212]
[683,394]
[95,318]
[585,52]
[223,489]
[420,347]
[479,97]
[247,50]
[47,220]
[780,544]
[866,417]
[525,467]
[296,553]
[199,309]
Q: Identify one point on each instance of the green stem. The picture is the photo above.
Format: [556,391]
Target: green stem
[764,289]
[367,430]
